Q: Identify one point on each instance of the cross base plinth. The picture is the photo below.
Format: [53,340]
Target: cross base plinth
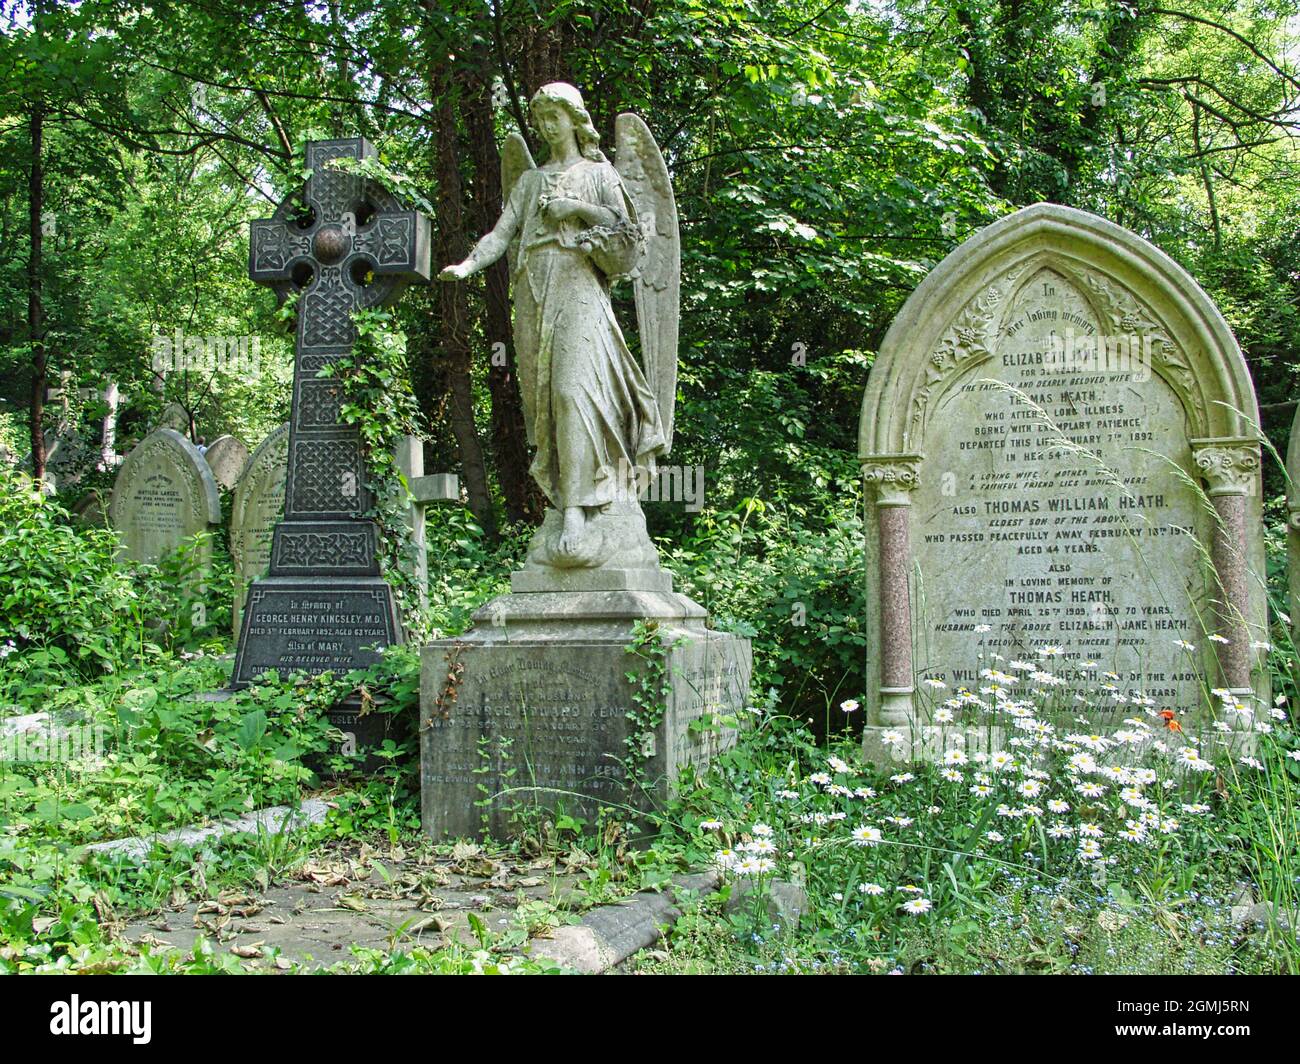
[342,548]
[364,731]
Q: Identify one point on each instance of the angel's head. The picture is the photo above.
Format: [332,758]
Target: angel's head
[558,112]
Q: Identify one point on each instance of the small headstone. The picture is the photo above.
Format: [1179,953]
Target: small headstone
[226,457]
[174,417]
[163,494]
[1058,444]
[256,508]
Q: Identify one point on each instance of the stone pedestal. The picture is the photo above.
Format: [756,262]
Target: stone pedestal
[533,710]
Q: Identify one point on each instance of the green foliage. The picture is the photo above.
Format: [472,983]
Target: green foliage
[154,755]
[794,584]
[823,158]
[1001,892]
[651,684]
[400,185]
[70,609]
[466,570]
[376,399]
[65,606]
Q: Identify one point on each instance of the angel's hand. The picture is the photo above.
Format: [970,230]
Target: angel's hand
[557,210]
[458,271]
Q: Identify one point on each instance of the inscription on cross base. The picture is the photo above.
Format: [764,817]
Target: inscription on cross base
[343,243]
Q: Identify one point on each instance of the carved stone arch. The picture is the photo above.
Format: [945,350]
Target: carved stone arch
[942,318]
[1122,314]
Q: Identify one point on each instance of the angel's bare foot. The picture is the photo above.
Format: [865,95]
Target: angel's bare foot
[575,523]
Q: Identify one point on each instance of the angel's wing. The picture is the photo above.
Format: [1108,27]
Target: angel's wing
[657,277]
[516,160]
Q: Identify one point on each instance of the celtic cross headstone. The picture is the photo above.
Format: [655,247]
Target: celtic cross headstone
[342,244]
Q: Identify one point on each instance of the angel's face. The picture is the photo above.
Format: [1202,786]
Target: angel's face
[555,126]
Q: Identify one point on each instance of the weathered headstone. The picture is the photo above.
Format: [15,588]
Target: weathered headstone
[175,417]
[343,244]
[256,508]
[226,457]
[71,451]
[1058,442]
[527,714]
[163,494]
[68,458]
[258,505]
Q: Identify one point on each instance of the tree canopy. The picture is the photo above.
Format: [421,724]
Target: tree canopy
[824,155]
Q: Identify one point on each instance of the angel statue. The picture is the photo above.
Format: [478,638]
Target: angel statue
[597,418]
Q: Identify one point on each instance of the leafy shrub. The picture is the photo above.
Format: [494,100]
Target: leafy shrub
[72,610]
[165,757]
[61,592]
[465,568]
[797,589]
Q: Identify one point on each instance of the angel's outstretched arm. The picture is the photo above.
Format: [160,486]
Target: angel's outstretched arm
[494,244]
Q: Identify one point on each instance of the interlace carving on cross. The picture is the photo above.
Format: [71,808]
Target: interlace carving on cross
[344,244]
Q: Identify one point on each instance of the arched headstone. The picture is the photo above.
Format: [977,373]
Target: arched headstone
[1058,440]
[226,457]
[257,506]
[174,417]
[163,494]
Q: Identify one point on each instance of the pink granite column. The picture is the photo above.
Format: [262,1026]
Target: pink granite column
[893,478]
[1231,469]
[895,605]
[1228,552]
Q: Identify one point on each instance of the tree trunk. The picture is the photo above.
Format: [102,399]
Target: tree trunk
[1206,178]
[452,342]
[523,500]
[543,54]
[35,311]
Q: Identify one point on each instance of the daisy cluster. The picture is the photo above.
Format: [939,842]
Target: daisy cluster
[1093,794]
[1089,786]
[754,855]
[1052,789]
